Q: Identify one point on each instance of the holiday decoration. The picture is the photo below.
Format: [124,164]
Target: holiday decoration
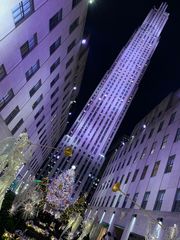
[28,201]
[11,159]
[28,210]
[42,184]
[87,227]
[75,226]
[116,187]
[78,207]
[68,152]
[60,191]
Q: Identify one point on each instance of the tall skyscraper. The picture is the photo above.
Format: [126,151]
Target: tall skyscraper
[93,131]
[42,59]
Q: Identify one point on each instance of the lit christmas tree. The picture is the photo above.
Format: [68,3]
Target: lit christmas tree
[60,190]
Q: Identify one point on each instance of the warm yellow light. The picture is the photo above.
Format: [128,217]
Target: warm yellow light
[116,187]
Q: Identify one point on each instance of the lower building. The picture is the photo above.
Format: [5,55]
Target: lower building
[147,168]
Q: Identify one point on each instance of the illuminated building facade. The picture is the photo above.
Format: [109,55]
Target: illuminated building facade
[41,66]
[93,131]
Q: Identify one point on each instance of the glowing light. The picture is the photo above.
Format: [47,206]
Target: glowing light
[102,217]
[70,113]
[144,126]
[84,41]
[73,167]
[74,88]
[91,1]
[131,226]
[111,220]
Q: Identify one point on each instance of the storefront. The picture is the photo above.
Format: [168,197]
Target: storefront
[118,231]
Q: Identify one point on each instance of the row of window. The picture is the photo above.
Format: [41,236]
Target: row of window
[168,169]
[157,205]
[23,10]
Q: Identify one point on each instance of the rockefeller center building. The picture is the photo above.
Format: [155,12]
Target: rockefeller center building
[148,169]
[42,59]
[92,133]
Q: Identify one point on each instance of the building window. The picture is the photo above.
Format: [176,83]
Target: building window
[22,10]
[2,72]
[40,98]
[171,120]
[145,200]
[6,99]
[134,200]
[54,103]
[39,112]
[40,121]
[125,200]
[75,2]
[122,179]
[144,172]
[143,153]
[159,200]
[170,164]
[71,45]
[127,177]
[136,143]
[68,75]
[135,157]
[18,125]
[54,80]
[135,175]
[108,201]
[176,205]
[74,25]
[35,88]
[57,18]
[153,147]
[54,93]
[160,126]
[177,137]
[55,46]
[69,62]
[151,133]
[118,201]
[54,65]
[32,70]
[164,142]
[155,169]
[28,46]
[112,202]
[12,115]
[142,140]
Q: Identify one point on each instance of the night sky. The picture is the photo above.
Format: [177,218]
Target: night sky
[110,24]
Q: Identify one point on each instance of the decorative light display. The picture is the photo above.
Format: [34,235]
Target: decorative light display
[11,160]
[60,190]
[28,210]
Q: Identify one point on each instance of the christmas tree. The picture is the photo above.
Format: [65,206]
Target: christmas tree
[60,190]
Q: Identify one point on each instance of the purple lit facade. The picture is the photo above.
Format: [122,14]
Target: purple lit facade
[42,59]
[93,131]
[148,167]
